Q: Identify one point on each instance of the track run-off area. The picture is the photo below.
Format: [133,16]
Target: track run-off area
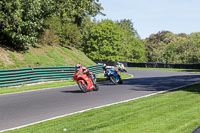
[21,109]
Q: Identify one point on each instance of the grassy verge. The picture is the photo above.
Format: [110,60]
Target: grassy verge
[49,85]
[43,55]
[168,69]
[36,86]
[170,112]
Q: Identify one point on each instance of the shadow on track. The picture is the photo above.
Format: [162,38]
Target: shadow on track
[72,91]
[152,83]
[162,83]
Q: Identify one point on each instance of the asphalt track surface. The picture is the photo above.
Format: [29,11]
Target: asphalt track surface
[29,107]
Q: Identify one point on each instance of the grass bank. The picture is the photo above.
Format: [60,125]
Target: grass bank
[170,112]
[168,69]
[37,86]
[42,55]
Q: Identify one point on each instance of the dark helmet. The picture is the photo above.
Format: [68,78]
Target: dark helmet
[78,65]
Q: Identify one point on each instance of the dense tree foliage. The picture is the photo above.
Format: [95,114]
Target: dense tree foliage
[68,33]
[173,48]
[113,41]
[22,21]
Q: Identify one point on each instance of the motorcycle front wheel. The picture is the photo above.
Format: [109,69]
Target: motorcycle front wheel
[82,87]
[112,78]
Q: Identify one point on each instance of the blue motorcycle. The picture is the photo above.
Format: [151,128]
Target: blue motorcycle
[113,76]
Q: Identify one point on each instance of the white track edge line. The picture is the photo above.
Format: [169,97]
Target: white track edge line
[99,107]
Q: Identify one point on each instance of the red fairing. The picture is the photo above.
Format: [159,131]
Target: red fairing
[81,75]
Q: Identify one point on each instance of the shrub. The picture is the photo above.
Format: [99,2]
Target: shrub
[68,33]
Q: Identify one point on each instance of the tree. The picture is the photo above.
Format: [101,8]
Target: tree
[127,25]
[172,48]
[75,10]
[22,21]
[108,41]
[156,46]
[68,33]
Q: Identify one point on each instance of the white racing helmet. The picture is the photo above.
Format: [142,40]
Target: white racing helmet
[78,65]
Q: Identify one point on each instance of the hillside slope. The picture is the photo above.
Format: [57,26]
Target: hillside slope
[42,56]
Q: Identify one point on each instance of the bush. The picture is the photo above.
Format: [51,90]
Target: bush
[48,38]
[68,33]
[21,20]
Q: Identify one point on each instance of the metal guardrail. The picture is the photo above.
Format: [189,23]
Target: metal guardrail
[13,77]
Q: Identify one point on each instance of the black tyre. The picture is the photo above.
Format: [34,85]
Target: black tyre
[96,87]
[120,81]
[82,87]
[112,79]
[93,80]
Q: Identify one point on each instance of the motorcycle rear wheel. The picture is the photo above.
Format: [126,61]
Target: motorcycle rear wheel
[120,81]
[82,87]
[96,87]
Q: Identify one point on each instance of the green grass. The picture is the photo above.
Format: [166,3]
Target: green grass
[170,112]
[43,55]
[168,69]
[6,90]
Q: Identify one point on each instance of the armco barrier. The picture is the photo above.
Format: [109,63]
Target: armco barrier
[13,77]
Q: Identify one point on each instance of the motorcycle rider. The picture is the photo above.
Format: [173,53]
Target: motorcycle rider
[104,68]
[78,67]
[111,71]
[106,71]
[120,65]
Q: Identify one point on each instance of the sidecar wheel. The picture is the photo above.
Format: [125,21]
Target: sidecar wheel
[82,87]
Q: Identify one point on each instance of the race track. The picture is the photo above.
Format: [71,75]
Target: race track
[29,107]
